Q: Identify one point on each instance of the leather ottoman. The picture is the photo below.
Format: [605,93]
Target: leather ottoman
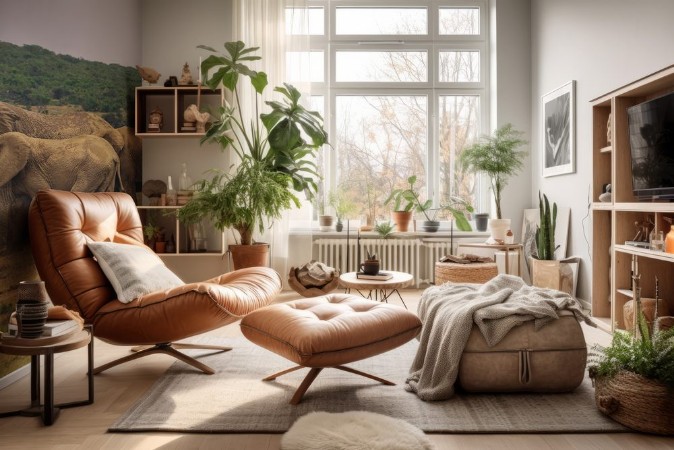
[329,331]
[551,359]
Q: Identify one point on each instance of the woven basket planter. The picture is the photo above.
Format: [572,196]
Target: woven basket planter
[637,402]
[464,273]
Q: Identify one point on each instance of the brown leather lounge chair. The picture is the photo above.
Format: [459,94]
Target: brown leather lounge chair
[62,223]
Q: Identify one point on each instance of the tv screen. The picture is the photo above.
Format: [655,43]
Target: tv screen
[651,133]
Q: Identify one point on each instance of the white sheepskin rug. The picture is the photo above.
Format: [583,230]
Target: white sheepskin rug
[353,430]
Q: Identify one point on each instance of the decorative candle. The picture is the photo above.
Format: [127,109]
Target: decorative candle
[199,70]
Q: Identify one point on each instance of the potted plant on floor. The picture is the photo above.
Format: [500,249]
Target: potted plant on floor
[634,378]
[456,207]
[498,157]
[547,271]
[276,151]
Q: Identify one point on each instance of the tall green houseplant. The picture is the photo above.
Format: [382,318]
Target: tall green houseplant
[276,149]
[498,157]
[545,233]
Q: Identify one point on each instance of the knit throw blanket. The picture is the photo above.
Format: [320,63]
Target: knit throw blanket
[449,311]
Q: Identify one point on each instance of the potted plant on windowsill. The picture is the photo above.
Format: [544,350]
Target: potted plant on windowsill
[342,205]
[414,203]
[276,150]
[498,157]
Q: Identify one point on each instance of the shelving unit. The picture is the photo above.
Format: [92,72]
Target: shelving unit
[613,222]
[172,102]
[165,217]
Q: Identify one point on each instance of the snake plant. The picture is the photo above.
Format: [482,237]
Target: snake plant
[545,233]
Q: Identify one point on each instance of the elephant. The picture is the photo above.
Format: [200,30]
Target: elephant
[64,126]
[131,161]
[83,163]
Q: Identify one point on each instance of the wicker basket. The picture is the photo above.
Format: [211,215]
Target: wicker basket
[636,402]
[464,273]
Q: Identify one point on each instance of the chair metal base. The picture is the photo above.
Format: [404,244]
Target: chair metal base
[168,348]
[313,373]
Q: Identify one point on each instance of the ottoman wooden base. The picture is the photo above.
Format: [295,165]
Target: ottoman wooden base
[329,331]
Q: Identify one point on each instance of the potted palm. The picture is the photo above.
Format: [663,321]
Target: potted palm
[276,150]
[498,157]
[412,201]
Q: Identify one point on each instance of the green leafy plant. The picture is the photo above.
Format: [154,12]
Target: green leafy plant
[496,155]
[545,232]
[649,356]
[276,149]
[411,200]
[384,229]
[151,231]
[243,201]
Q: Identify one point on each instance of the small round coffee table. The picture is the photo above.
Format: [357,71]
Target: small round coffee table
[382,289]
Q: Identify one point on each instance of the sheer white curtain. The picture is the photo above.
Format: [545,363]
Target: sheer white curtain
[261,23]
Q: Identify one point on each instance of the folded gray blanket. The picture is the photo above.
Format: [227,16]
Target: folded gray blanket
[449,311]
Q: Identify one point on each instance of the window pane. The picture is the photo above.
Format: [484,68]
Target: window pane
[458,127]
[459,66]
[305,66]
[381,21]
[303,21]
[459,21]
[382,66]
[380,142]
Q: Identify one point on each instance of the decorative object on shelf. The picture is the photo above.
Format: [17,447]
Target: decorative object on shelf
[156,121]
[185,187]
[558,111]
[313,279]
[648,308]
[171,194]
[186,76]
[608,129]
[605,196]
[153,189]
[272,167]
[669,239]
[498,157]
[657,240]
[148,74]
[171,81]
[456,207]
[194,121]
[171,245]
[198,241]
[32,305]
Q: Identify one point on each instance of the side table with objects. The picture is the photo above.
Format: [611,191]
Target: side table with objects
[47,347]
[379,290]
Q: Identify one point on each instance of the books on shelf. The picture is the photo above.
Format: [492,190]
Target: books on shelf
[381,276]
[51,327]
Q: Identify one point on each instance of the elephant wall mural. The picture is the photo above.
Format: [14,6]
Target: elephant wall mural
[56,143]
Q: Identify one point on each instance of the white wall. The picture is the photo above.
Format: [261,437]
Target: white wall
[510,94]
[171,31]
[96,30]
[602,44]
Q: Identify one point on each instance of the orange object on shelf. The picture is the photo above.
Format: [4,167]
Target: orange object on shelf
[669,240]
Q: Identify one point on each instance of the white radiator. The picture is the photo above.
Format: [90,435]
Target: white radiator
[432,251]
[401,255]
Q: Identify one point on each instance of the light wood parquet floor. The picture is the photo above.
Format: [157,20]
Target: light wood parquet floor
[116,390]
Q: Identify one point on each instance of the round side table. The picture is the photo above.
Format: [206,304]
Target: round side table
[49,411]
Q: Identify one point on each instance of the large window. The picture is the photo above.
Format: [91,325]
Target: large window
[404,91]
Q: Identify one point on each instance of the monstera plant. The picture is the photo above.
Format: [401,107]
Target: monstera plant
[276,150]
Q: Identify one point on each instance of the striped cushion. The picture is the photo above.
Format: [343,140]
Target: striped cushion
[133,270]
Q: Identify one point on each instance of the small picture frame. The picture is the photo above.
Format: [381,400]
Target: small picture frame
[558,111]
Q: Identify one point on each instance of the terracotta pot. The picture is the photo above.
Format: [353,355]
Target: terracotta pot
[160,247]
[250,255]
[402,220]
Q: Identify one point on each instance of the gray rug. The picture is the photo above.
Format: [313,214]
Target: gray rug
[235,400]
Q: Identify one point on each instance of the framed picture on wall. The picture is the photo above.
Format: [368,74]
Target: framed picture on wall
[559,130]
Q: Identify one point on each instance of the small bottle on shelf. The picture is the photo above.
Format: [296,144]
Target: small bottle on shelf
[171,194]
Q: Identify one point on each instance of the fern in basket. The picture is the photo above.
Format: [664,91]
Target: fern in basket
[650,356]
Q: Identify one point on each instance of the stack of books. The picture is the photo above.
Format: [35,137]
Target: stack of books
[51,327]
[381,276]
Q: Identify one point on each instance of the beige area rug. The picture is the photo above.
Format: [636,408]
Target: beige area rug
[235,400]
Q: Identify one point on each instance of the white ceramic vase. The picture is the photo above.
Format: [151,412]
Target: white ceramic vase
[498,229]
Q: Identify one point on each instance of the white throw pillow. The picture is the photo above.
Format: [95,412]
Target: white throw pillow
[133,270]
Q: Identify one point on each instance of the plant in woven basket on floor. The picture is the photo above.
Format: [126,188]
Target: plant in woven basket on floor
[634,378]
